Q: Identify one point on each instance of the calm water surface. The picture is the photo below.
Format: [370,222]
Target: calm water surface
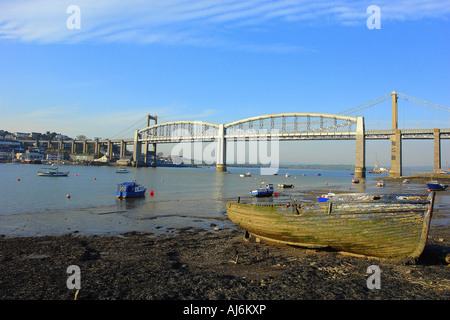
[183,197]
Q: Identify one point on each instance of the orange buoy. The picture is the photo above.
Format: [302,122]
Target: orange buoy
[68,196]
[95,178]
[18,179]
[276,194]
[76,175]
[326,183]
[152,193]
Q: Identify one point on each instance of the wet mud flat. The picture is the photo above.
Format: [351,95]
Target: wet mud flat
[199,264]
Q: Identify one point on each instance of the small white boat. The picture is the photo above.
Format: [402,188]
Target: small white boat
[122,170]
[405,181]
[380,183]
[285,185]
[245,175]
[53,172]
[287,175]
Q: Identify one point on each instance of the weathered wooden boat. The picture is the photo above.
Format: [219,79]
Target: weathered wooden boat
[381,225]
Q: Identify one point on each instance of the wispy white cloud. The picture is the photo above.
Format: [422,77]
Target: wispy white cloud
[197,22]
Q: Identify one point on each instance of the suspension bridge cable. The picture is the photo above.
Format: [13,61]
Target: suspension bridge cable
[423,102]
[347,112]
[128,129]
[364,106]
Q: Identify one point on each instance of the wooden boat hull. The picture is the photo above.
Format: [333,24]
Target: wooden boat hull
[382,228]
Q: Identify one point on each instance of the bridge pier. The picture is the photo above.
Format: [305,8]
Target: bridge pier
[137,150]
[437,149]
[396,155]
[396,142]
[360,161]
[221,156]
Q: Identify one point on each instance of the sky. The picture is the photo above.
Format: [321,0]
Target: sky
[97,68]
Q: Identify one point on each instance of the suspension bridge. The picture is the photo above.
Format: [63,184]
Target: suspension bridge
[283,127]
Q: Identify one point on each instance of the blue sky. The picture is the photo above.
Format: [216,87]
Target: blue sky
[220,61]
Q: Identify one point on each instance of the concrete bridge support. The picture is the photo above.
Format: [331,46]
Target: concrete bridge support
[137,150]
[396,142]
[109,152]
[123,148]
[437,149]
[221,156]
[96,149]
[396,155]
[360,161]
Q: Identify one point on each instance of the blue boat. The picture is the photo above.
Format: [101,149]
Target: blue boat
[325,197]
[436,186]
[130,189]
[264,191]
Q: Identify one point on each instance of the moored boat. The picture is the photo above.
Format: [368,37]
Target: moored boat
[386,226]
[122,170]
[285,185]
[52,172]
[355,180]
[245,175]
[264,191]
[130,189]
[380,183]
[436,186]
[326,197]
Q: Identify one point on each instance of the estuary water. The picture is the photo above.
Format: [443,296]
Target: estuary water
[182,197]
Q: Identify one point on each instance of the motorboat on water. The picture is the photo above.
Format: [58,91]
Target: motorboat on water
[245,175]
[380,183]
[264,191]
[326,197]
[52,172]
[122,170]
[436,186]
[130,190]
